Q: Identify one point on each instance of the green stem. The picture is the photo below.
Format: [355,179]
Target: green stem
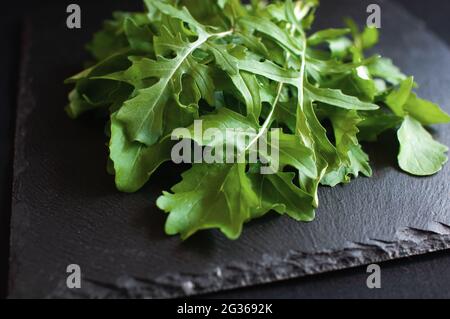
[269,117]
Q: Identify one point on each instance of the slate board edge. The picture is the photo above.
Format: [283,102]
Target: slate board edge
[295,264]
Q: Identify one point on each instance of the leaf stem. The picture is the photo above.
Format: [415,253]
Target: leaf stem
[301,83]
[222,34]
[281,84]
[269,117]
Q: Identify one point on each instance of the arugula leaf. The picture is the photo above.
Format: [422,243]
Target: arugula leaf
[345,125]
[134,162]
[385,69]
[111,39]
[251,75]
[271,30]
[278,192]
[396,100]
[354,160]
[210,196]
[143,118]
[139,36]
[375,123]
[340,47]
[245,82]
[337,98]
[425,111]
[326,35]
[359,163]
[290,150]
[419,154]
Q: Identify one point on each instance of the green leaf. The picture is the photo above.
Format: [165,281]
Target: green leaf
[355,83]
[419,154]
[134,162]
[333,67]
[209,12]
[404,102]
[78,105]
[288,149]
[314,135]
[143,114]
[359,163]
[278,192]
[345,126]
[326,35]
[181,14]
[139,37]
[292,152]
[210,196]
[291,107]
[369,37]
[337,98]
[271,30]
[111,39]
[396,100]
[375,123]
[245,82]
[269,70]
[113,63]
[384,68]
[361,40]
[425,111]
[340,47]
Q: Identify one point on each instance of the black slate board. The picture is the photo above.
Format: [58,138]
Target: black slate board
[66,209]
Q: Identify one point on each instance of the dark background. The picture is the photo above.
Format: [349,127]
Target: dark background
[418,277]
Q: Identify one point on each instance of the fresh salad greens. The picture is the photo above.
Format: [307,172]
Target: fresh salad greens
[249,66]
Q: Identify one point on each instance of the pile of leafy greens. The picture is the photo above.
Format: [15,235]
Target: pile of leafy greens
[249,66]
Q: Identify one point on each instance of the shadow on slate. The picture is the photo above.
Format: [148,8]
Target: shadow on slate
[66,209]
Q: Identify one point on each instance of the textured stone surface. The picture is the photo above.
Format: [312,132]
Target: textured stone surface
[66,210]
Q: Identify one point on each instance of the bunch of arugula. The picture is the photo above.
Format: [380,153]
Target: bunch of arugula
[248,66]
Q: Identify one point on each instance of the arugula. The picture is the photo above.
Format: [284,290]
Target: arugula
[253,67]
